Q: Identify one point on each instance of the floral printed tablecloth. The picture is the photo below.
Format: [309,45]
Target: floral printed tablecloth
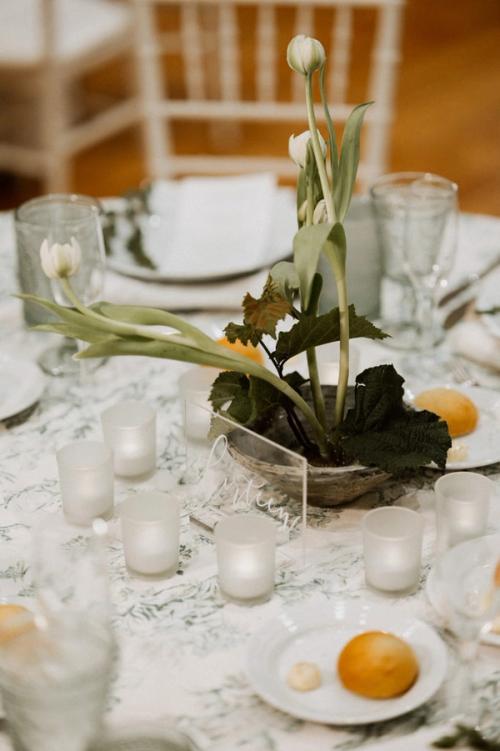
[182,646]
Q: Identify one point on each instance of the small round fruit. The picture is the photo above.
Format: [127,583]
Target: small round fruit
[377,665]
[304,676]
[458,411]
[14,621]
[243,349]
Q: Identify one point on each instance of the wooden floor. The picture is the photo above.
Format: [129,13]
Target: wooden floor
[447,119]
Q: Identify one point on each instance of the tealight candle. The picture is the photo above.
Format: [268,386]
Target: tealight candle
[86,480]
[392,545]
[195,386]
[129,428]
[462,507]
[150,523]
[246,549]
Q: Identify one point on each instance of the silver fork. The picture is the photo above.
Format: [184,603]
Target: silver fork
[461,374]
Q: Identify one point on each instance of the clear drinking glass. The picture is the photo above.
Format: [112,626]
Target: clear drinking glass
[417,219]
[55,677]
[58,218]
[472,597]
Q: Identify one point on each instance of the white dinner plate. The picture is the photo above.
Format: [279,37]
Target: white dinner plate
[318,634]
[21,386]
[197,266]
[483,444]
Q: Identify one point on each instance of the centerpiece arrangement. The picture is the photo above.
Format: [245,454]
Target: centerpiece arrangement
[352,438]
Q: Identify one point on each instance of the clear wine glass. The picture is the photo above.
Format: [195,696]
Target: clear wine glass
[417,218]
[58,219]
[467,575]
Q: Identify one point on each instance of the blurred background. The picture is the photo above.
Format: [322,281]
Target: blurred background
[79,80]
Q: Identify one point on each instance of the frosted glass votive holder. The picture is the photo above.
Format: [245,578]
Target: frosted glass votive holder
[195,386]
[462,507]
[392,546]
[150,523]
[246,552]
[129,428]
[86,480]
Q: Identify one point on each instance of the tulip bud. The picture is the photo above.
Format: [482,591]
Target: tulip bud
[305,54]
[297,147]
[60,260]
[320,214]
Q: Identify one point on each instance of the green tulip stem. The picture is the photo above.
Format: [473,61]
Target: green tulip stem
[318,154]
[312,363]
[344,350]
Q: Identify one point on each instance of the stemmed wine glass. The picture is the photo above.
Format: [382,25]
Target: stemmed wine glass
[58,218]
[417,218]
[469,580]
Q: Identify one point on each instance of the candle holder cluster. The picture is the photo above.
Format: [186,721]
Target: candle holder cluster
[86,468]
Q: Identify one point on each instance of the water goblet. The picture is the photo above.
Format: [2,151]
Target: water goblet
[469,583]
[417,220]
[58,218]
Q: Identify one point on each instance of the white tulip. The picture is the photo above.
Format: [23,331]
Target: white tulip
[305,54]
[297,147]
[60,260]
[320,214]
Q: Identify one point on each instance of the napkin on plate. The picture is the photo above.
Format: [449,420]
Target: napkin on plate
[478,337]
[123,290]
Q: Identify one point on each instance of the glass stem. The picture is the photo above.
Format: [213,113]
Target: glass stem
[425,318]
[462,685]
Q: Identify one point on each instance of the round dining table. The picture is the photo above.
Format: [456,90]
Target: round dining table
[182,646]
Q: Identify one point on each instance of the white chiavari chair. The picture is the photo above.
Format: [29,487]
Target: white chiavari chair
[46,46]
[209,41]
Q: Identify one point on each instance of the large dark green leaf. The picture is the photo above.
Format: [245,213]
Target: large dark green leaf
[246,399]
[378,396]
[230,394]
[312,331]
[381,430]
[349,160]
[409,441]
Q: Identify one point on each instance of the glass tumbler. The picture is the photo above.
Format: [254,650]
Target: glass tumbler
[58,218]
[55,680]
[416,216]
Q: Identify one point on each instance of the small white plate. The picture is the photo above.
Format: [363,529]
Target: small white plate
[21,386]
[318,634]
[483,444]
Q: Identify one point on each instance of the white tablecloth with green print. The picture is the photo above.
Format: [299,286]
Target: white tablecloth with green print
[182,646]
